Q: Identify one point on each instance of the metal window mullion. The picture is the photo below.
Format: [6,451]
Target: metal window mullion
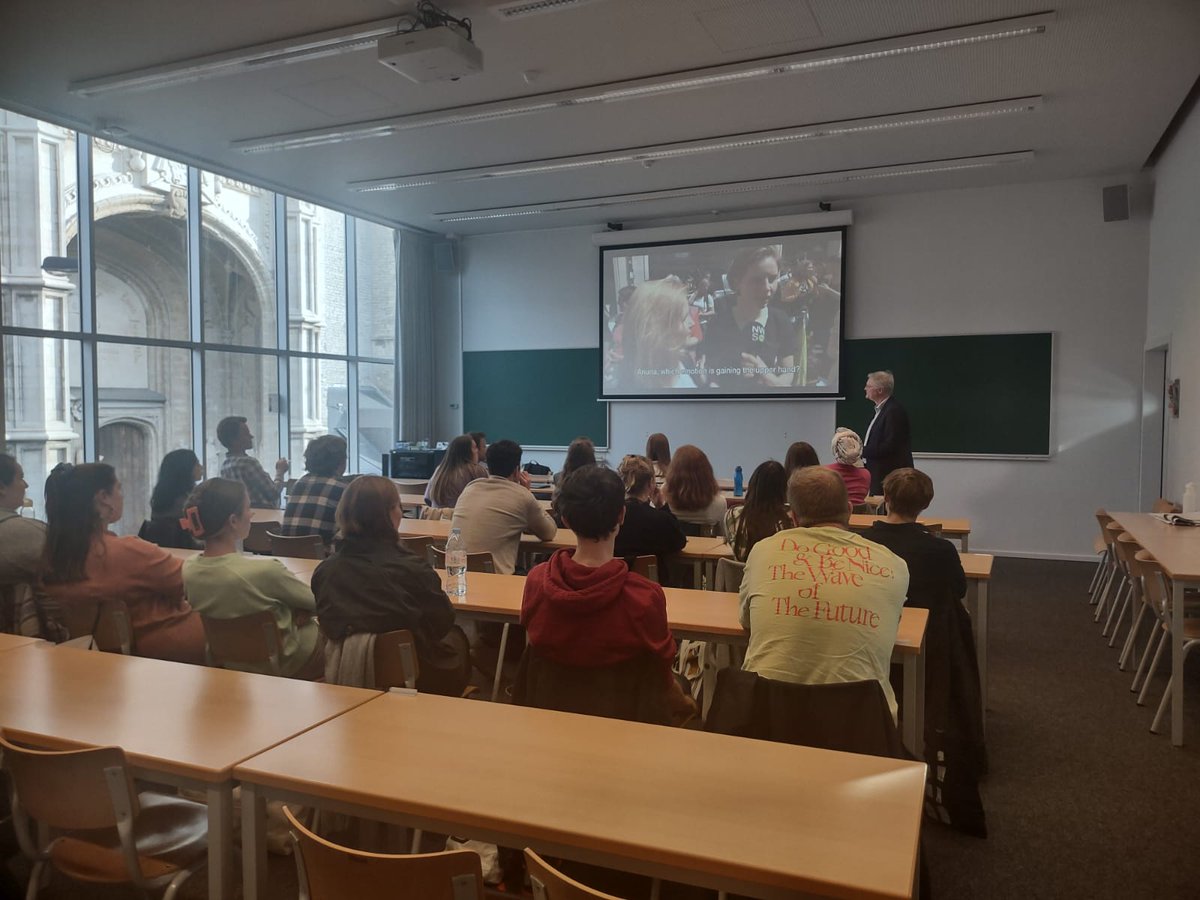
[195,312]
[281,326]
[352,450]
[89,374]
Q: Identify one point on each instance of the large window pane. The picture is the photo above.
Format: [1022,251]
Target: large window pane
[39,218]
[242,384]
[145,396]
[140,209]
[375,247]
[237,262]
[376,415]
[316,278]
[319,404]
[43,413]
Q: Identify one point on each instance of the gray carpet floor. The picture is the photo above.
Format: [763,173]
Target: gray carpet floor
[1082,800]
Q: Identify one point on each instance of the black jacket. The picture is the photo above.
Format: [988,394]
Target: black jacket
[889,445]
[377,586]
[648,531]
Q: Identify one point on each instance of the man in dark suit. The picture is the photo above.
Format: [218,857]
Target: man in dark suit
[887,445]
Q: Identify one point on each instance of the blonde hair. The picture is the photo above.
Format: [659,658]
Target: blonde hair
[655,329]
[636,472]
[818,495]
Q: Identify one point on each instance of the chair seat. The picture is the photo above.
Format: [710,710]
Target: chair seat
[172,830]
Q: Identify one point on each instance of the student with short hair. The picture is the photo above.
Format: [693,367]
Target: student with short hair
[492,513]
[372,584]
[313,499]
[234,435]
[646,530]
[584,607]
[223,583]
[84,561]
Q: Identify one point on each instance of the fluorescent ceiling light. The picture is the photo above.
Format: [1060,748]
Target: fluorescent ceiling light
[815,60]
[521,9]
[647,156]
[246,59]
[744,187]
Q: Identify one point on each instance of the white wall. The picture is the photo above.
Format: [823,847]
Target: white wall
[1019,258]
[1173,314]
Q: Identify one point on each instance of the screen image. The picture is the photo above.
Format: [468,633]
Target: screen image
[750,316]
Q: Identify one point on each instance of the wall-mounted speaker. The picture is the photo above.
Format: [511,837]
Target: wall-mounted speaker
[1116,203]
[445,258]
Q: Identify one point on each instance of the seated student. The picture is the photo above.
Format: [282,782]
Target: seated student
[222,583]
[953,706]
[691,489]
[313,499]
[494,512]
[372,584]
[583,607]
[480,440]
[458,468]
[21,541]
[177,477]
[645,531]
[847,454]
[809,622]
[658,451]
[582,452]
[799,455]
[84,561]
[234,435]
[764,512]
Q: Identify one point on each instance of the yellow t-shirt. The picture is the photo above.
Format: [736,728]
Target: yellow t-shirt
[823,606]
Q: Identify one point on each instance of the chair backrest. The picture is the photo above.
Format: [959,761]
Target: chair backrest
[437,513]
[633,690]
[258,541]
[934,528]
[1163,505]
[332,872]
[396,660]
[729,575]
[246,640]
[1153,580]
[299,546]
[646,566]
[1104,520]
[698,529]
[107,621]
[68,790]
[550,884]
[476,562]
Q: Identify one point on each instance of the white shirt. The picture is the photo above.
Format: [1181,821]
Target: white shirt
[867,436]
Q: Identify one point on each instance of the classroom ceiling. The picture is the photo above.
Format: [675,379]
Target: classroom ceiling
[1095,91]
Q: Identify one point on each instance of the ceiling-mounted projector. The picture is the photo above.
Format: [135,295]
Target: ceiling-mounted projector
[430,54]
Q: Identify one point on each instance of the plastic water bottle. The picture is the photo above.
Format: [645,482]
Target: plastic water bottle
[456,565]
[737,482]
[1190,500]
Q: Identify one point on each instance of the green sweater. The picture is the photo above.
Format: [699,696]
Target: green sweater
[225,587]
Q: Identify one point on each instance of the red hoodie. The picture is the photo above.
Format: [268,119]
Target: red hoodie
[577,615]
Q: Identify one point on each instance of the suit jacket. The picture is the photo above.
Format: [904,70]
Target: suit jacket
[889,445]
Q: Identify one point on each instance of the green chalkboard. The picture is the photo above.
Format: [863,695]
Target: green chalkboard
[984,394]
[543,398]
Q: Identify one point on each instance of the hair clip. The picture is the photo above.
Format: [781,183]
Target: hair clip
[191,522]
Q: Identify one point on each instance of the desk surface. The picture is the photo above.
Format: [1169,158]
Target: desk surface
[794,818]
[1175,547]
[270,516]
[192,721]
[13,641]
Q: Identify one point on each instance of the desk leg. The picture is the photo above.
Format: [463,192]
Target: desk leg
[500,663]
[220,840]
[1177,662]
[254,843]
[913,725]
[963,541]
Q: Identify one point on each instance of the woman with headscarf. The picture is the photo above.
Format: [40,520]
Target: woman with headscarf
[847,454]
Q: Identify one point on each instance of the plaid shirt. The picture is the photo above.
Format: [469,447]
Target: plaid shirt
[264,492]
[311,505]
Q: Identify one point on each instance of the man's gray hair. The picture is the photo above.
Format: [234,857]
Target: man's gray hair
[884,381]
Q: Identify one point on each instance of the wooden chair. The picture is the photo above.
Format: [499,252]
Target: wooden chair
[258,540]
[247,641]
[437,513]
[1127,548]
[1120,599]
[699,529]
[300,546]
[396,660]
[1154,599]
[1106,567]
[476,562]
[1116,576]
[550,884]
[328,871]
[934,528]
[646,566]
[98,624]
[94,827]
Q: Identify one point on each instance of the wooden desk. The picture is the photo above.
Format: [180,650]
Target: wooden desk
[978,569]
[179,724]
[770,820]
[1177,549]
[13,641]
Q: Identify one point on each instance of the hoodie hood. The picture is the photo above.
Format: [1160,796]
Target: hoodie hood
[586,588]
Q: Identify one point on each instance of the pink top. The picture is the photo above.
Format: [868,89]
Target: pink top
[858,481]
